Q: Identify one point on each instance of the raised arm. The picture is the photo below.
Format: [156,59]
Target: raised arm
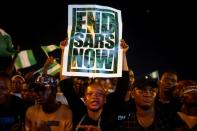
[63,44]
[67,87]
[47,63]
[123,82]
[125,48]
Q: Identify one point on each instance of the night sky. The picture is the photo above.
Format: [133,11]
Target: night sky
[161,35]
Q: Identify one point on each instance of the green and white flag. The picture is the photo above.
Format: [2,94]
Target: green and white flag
[54,68]
[6,46]
[25,59]
[49,48]
[94,34]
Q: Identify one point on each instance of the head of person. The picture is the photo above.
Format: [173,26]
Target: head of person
[5,84]
[31,77]
[26,94]
[179,87]
[131,82]
[168,82]
[17,83]
[45,88]
[188,93]
[110,84]
[79,84]
[95,97]
[145,91]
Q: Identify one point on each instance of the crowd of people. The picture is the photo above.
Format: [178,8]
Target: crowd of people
[41,102]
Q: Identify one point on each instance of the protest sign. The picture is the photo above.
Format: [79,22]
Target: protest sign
[94,34]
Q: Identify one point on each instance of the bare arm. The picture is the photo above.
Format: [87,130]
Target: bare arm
[125,48]
[118,96]
[47,64]
[62,46]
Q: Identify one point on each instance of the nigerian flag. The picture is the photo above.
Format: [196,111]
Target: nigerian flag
[49,48]
[25,59]
[6,46]
[54,68]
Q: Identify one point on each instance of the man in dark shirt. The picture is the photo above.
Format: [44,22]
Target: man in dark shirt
[145,117]
[186,118]
[11,107]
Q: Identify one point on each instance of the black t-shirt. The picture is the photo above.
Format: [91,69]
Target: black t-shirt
[179,125]
[114,101]
[87,121]
[11,113]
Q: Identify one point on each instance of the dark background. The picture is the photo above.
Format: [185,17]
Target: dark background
[162,35]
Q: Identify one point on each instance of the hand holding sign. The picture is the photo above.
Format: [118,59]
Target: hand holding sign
[63,43]
[124,46]
[94,34]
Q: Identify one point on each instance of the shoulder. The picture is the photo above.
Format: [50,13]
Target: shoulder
[15,99]
[178,122]
[33,109]
[65,109]
[16,103]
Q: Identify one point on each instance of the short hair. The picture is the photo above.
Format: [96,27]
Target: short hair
[169,72]
[95,84]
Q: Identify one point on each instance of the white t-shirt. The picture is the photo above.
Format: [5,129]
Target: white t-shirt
[61,98]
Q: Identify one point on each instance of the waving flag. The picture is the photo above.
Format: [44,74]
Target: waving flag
[54,68]
[25,59]
[6,46]
[49,48]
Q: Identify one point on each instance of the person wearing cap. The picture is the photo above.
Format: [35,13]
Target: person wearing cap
[144,117]
[186,119]
[47,114]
